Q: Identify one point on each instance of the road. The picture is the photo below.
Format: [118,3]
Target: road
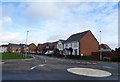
[50,68]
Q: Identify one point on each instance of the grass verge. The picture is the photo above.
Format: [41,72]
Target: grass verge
[6,56]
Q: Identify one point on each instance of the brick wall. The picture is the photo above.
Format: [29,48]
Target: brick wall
[106,54]
[32,48]
[88,44]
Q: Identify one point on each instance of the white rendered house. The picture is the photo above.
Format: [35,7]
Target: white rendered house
[60,46]
[3,48]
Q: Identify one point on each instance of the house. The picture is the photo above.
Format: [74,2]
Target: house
[17,48]
[107,54]
[60,46]
[83,43]
[104,48]
[24,48]
[32,48]
[53,46]
[14,48]
[42,48]
[3,48]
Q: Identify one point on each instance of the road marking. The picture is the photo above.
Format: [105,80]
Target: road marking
[42,65]
[45,61]
[89,72]
[85,62]
[94,63]
[33,67]
[107,67]
[2,62]
[37,66]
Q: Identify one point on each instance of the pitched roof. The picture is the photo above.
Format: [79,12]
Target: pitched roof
[106,46]
[15,45]
[4,45]
[62,40]
[39,45]
[76,37]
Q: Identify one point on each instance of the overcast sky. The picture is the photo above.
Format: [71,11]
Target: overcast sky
[51,21]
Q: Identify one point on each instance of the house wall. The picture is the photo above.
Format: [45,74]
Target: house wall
[60,46]
[42,48]
[16,50]
[32,48]
[88,44]
[3,49]
[9,48]
[74,45]
[13,49]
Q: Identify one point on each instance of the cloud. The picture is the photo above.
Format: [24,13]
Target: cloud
[11,37]
[41,11]
[53,21]
[8,10]
[7,22]
[83,8]
[1,24]
[60,0]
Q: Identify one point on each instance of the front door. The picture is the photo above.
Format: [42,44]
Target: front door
[75,51]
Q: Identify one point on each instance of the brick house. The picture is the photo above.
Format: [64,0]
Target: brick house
[108,54]
[42,48]
[83,43]
[32,48]
[24,48]
[14,48]
[39,48]
[105,46]
[53,46]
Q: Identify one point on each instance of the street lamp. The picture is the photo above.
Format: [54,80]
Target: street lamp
[26,41]
[100,48]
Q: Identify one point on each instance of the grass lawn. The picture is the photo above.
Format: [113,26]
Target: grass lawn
[5,56]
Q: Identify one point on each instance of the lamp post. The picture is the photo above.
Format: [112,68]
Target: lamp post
[100,48]
[26,42]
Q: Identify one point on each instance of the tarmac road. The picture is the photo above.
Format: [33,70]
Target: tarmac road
[50,68]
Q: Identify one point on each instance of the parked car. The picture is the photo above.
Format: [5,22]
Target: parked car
[49,52]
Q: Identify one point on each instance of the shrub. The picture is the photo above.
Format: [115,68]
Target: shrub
[115,59]
[81,57]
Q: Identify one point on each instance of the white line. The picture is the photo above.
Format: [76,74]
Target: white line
[45,60]
[42,65]
[2,62]
[107,67]
[37,66]
[33,67]
[94,63]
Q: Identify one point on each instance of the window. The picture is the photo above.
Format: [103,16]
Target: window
[71,45]
[66,45]
[75,44]
[75,50]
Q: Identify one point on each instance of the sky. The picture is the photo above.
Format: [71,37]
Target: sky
[51,21]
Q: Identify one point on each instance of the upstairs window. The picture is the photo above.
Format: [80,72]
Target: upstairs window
[66,45]
[75,44]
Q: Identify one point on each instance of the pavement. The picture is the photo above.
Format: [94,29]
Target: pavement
[42,67]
